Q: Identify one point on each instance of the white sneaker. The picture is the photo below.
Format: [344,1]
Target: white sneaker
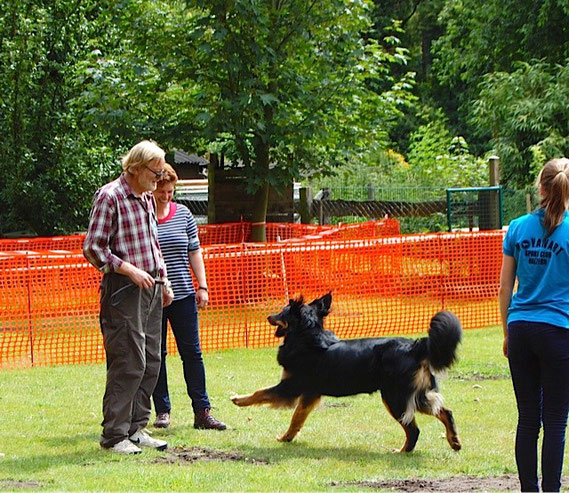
[125,447]
[142,439]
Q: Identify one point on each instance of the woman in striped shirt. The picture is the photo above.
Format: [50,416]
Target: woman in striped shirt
[179,242]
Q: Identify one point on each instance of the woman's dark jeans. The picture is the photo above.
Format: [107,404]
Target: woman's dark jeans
[183,317]
[539,363]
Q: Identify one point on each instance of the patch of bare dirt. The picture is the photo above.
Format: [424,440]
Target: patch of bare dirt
[336,404]
[180,455]
[477,377]
[16,484]
[457,484]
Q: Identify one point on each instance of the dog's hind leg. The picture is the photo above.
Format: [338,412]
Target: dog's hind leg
[411,435]
[305,405]
[445,416]
[410,428]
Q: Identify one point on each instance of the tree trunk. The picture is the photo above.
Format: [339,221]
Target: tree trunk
[259,224]
[211,169]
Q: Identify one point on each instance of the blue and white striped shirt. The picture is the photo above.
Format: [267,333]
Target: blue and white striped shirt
[178,235]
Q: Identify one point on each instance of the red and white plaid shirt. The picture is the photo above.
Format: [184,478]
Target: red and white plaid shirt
[123,227]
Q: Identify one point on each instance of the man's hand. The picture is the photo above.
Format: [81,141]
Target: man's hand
[139,277]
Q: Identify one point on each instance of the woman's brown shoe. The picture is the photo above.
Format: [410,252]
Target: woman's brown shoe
[203,420]
[162,420]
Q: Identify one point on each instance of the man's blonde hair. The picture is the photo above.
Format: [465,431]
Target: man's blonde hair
[142,154]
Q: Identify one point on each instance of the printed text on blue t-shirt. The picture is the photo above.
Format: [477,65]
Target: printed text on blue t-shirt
[539,250]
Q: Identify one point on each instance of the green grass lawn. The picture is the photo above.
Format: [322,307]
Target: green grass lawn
[51,425]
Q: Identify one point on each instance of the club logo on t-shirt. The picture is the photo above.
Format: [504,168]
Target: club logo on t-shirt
[538,251]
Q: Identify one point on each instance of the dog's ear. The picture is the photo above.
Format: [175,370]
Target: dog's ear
[322,305]
[296,305]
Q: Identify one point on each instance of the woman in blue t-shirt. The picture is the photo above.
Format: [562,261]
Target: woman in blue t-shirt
[535,320]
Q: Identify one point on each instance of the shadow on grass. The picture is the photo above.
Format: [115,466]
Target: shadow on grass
[341,454]
[83,450]
[78,450]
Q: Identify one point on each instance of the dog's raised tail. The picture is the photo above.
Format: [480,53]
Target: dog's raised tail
[444,335]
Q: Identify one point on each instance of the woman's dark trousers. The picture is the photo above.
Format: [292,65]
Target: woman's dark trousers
[183,317]
[538,354]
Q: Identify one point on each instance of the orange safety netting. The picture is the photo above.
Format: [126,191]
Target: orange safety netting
[381,285]
[215,234]
[72,242]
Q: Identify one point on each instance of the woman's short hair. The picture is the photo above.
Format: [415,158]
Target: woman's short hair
[142,154]
[170,175]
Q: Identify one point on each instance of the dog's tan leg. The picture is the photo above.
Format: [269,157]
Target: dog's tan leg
[411,436]
[263,396]
[411,429]
[445,416]
[304,407]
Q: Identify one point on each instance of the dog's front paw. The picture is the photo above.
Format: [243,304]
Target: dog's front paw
[236,399]
[239,400]
[285,438]
[455,444]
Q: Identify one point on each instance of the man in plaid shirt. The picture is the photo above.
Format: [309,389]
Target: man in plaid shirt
[122,242]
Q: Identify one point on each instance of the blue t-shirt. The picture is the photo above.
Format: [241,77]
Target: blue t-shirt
[542,269]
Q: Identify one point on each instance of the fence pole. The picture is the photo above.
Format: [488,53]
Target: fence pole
[305,205]
[492,204]
[323,217]
[528,203]
[29,293]
[494,171]
[212,166]
[449,212]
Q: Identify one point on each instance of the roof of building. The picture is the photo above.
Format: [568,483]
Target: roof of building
[182,157]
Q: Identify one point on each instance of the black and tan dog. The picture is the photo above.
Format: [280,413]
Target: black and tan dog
[316,363]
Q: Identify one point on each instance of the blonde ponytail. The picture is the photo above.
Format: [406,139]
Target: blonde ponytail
[553,181]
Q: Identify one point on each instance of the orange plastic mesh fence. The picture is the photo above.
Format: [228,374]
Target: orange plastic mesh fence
[215,234]
[387,285]
[229,233]
[73,242]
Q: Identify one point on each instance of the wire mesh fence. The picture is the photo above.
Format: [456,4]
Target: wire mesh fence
[421,209]
[418,209]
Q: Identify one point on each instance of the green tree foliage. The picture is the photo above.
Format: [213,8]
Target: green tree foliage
[49,167]
[483,37]
[525,112]
[283,88]
[497,70]
[292,83]
[129,81]
[437,158]
[492,36]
